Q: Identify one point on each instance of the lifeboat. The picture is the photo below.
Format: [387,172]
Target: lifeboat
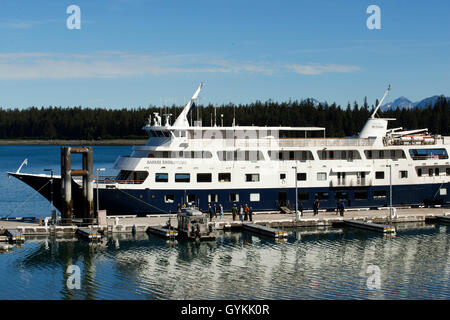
[428,140]
[406,138]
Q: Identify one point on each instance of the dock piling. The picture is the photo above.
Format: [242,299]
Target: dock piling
[87,211]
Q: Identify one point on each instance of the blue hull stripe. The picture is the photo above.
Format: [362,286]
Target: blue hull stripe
[152,201]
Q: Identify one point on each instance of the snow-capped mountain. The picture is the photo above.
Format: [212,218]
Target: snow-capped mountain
[314,101]
[405,103]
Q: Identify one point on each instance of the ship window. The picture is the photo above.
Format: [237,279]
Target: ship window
[379,175]
[252,177]
[403,174]
[161,177]
[341,195]
[430,172]
[224,177]
[234,197]
[447,170]
[419,172]
[422,154]
[191,198]
[290,154]
[303,196]
[169,198]
[443,191]
[338,155]
[380,154]
[301,176]
[321,176]
[436,172]
[379,194]
[254,197]
[204,177]
[213,197]
[282,176]
[361,195]
[182,177]
[123,175]
[322,195]
[132,177]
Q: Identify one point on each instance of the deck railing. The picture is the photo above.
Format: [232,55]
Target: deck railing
[282,143]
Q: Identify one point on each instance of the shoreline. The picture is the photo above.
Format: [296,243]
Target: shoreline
[112,142]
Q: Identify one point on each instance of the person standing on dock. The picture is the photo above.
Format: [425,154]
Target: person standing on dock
[246,212]
[221,211]
[215,211]
[300,208]
[179,208]
[316,207]
[234,211]
[341,208]
[241,213]
[250,214]
[338,207]
[211,212]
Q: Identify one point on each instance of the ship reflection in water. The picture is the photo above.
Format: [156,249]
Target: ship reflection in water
[316,263]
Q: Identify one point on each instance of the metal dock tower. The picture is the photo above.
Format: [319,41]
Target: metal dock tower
[87,212]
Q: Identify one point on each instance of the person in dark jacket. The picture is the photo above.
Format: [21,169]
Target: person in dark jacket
[234,210]
[341,208]
[211,212]
[316,207]
[250,214]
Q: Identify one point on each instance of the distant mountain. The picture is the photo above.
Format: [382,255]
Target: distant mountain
[405,103]
[314,101]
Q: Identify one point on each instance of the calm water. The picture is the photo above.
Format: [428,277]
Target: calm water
[324,263]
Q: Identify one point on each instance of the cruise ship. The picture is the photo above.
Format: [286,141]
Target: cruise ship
[184,163]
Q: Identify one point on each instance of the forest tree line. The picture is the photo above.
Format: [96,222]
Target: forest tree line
[93,124]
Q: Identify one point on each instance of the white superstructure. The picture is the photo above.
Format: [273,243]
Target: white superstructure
[253,165]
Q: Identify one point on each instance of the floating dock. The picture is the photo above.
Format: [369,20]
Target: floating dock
[264,230]
[163,232]
[376,221]
[370,226]
[14,235]
[443,219]
[89,234]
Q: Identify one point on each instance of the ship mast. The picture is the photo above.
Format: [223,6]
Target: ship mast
[182,120]
[381,101]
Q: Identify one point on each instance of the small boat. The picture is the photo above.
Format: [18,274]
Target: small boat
[193,224]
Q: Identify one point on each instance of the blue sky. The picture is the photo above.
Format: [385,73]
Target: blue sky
[132,53]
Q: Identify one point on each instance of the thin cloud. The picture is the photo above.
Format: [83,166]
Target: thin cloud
[24,24]
[118,64]
[318,69]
